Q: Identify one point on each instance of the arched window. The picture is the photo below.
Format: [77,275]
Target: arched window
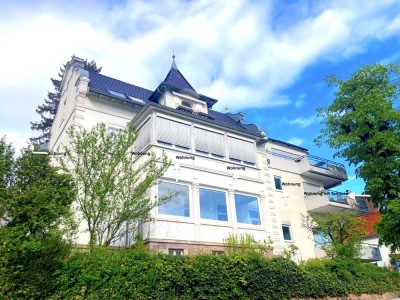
[186,104]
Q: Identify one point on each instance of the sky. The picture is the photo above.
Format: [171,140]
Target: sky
[266,59]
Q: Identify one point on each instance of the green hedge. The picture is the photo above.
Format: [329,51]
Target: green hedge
[129,274]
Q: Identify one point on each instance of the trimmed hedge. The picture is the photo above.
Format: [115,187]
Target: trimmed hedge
[129,274]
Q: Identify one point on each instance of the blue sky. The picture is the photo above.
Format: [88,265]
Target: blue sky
[264,58]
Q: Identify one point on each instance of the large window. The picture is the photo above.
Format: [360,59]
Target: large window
[241,151]
[179,204]
[247,209]
[213,205]
[173,133]
[209,142]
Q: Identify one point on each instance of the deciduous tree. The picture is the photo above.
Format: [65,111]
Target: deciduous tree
[363,124]
[112,192]
[342,232]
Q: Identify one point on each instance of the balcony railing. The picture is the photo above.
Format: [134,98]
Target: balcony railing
[337,197]
[313,160]
[322,162]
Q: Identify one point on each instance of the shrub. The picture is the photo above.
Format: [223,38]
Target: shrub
[137,274]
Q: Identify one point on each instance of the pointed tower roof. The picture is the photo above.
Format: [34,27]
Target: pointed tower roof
[176,79]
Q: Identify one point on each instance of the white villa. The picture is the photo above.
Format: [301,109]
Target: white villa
[232,178]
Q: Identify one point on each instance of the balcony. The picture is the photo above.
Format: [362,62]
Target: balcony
[328,172]
[322,202]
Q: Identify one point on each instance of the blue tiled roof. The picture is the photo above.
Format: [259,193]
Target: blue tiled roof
[101,84]
[176,79]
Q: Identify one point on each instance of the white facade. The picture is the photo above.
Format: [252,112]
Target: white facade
[231,178]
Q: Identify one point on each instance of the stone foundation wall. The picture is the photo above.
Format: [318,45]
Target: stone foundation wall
[387,296]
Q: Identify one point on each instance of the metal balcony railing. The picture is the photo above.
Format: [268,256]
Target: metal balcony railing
[322,162]
[313,160]
[337,197]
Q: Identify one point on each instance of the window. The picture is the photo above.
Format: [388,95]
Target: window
[213,205]
[278,183]
[179,203]
[143,138]
[170,132]
[175,252]
[287,236]
[247,209]
[241,150]
[320,239]
[209,142]
[217,252]
[134,99]
[117,94]
[362,204]
[186,104]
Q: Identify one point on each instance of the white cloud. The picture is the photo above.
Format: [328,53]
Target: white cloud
[300,100]
[234,51]
[303,122]
[295,141]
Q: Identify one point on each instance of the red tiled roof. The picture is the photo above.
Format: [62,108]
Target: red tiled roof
[370,220]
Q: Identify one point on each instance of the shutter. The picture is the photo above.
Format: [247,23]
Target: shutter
[173,132]
[241,150]
[144,136]
[210,142]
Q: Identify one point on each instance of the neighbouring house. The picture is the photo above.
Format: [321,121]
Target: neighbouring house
[371,249]
[230,176]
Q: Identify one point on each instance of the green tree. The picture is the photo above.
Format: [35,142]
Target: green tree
[342,232]
[112,192]
[48,109]
[32,244]
[6,165]
[363,124]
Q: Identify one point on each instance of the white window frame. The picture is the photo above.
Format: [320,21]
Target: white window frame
[173,217]
[290,232]
[213,221]
[248,225]
[175,251]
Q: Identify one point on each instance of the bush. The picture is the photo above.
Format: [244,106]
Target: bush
[132,274]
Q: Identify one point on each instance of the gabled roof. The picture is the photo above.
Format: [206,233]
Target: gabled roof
[175,78]
[102,84]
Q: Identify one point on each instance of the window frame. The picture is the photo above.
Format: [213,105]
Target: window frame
[174,251]
[205,220]
[169,216]
[258,207]
[280,182]
[167,144]
[290,233]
